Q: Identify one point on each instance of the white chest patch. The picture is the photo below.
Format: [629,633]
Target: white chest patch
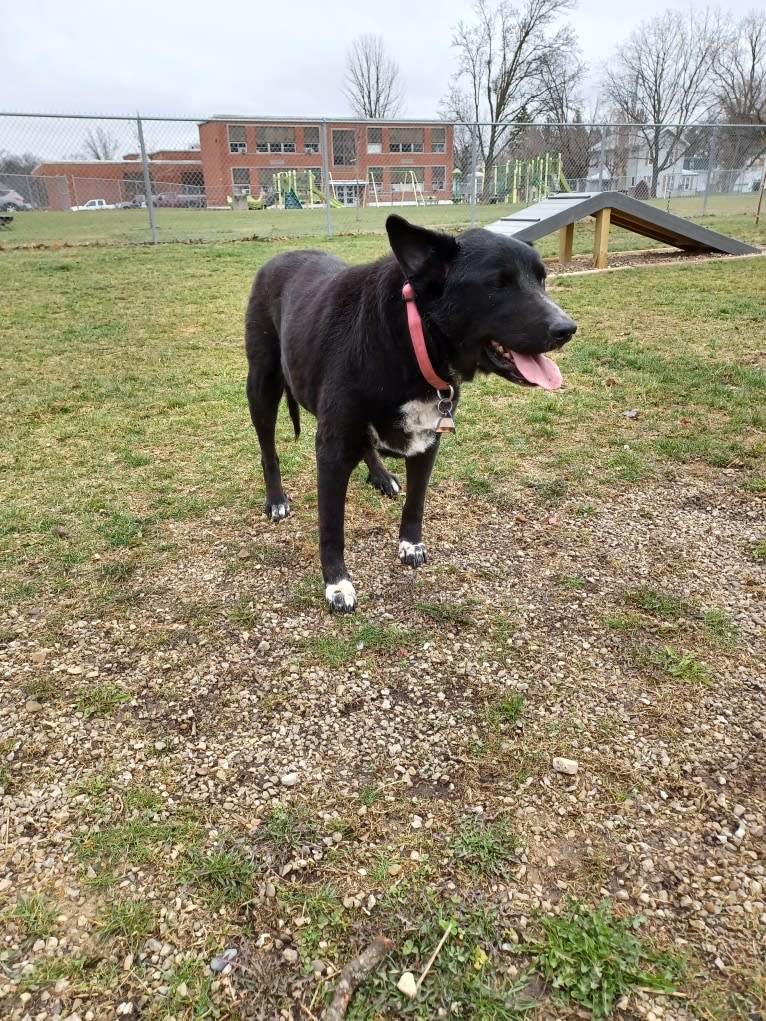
[417,419]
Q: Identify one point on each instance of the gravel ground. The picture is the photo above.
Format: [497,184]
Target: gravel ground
[232,712]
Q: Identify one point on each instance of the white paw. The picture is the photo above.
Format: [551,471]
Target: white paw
[413,554]
[278,511]
[341,597]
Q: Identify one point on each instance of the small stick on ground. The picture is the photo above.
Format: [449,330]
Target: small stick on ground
[357,969]
[434,955]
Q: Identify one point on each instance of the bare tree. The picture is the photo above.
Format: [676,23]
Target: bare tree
[100,145]
[739,73]
[505,58]
[564,131]
[372,83]
[661,79]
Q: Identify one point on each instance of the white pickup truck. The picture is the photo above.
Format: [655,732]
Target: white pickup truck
[93,204]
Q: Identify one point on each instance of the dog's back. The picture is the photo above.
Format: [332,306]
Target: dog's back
[287,278]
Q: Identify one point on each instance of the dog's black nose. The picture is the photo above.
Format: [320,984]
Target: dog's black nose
[563,331]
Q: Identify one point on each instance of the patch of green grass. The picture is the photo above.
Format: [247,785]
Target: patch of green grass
[324,920]
[369,794]
[37,914]
[224,875]
[683,665]
[658,604]
[42,689]
[128,922]
[132,842]
[453,613]
[116,572]
[468,977]
[360,639]
[288,828]
[486,848]
[121,530]
[138,798]
[552,492]
[507,710]
[719,627]
[190,994]
[574,582]
[307,592]
[101,700]
[94,785]
[758,551]
[589,956]
[624,622]
[503,630]
[47,971]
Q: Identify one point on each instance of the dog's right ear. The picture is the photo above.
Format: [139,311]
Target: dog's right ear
[424,255]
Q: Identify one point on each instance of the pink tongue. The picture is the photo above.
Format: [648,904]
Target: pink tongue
[538,370]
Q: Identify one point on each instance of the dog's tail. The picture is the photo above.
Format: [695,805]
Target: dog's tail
[295,411]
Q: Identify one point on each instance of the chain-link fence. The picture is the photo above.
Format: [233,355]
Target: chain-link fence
[165,179]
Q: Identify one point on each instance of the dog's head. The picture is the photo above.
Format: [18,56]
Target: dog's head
[484,294]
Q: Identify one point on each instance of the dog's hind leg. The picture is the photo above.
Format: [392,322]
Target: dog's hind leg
[265,387]
[379,476]
[412,550]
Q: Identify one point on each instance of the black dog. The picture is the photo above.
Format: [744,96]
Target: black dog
[381,369]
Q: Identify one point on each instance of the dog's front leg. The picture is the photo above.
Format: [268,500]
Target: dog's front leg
[335,462]
[412,550]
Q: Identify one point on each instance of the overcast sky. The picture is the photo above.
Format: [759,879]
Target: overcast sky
[187,59]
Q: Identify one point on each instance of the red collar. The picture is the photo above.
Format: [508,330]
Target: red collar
[419,343]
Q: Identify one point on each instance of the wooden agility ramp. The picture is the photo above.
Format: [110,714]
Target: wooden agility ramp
[563,210]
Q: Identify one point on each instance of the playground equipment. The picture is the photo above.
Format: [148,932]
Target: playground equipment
[410,183]
[530,179]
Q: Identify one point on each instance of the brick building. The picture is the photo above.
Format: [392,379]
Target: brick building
[69,183]
[367,162]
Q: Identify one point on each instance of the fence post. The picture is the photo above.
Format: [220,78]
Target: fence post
[326,177]
[147,180]
[711,159]
[602,158]
[474,168]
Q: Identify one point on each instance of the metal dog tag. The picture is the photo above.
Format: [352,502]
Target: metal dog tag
[446,424]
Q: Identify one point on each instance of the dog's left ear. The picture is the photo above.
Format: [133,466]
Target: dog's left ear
[424,255]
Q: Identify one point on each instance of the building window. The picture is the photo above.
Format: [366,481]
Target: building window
[273,138]
[237,140]
[311,140]
[405,140]
[376,175]
[437,178]
[240,179]
[343,147]
[374,140]
[438,139]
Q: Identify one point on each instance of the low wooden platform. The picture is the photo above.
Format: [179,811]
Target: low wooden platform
[563,210]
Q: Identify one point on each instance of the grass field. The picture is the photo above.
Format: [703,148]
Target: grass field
[196,756]
[728,214]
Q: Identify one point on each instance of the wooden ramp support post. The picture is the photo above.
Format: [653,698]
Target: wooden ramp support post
[601,240]
[566,243]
